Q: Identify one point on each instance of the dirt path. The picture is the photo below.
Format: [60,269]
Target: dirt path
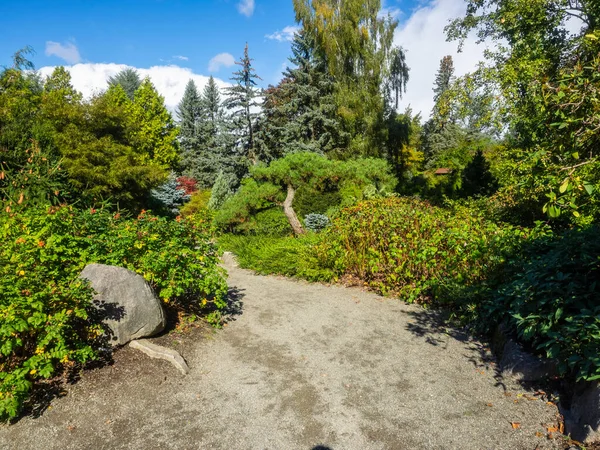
[303,366]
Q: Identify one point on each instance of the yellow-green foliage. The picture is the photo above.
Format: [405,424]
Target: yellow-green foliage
[198,202]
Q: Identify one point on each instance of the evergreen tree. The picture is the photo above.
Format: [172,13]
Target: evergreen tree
[443,78]
[300,113]
[151,127]
[477,179]
[189,111]
[212,109]
[398,75]
[242,102]
[168,197]
[355,40]
[129,79]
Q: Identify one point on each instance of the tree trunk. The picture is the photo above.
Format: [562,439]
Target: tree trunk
[290,213]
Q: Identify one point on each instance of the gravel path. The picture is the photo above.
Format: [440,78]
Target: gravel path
[305,366]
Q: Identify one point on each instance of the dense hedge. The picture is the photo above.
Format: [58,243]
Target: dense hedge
[551,298]
[45,325]
[407,247]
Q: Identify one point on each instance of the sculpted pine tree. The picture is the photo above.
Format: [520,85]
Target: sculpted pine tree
[243,102]
[129,80]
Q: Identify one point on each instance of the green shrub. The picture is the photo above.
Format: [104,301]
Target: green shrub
[197,204]
[551,298]
[289,256]
[316,222]
[44,324]
[409,248]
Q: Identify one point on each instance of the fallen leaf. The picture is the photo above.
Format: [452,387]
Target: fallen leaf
[539,393]
[552,429]
[515,401]
[508,394]
[516,425]
[490,404]
[539,434]
[549,403]
[561,428]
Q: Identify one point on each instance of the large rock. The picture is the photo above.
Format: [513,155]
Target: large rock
[524,366]
[125,302]
[582,422]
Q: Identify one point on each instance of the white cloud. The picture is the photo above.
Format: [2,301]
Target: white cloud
[287,34]
[170,81]
[246,7]
[68,51]
[221,60]
[181,58]
[422,36]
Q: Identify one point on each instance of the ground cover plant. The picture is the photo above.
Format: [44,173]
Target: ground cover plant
[45,322]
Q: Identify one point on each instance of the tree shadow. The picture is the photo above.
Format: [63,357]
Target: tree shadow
[235,305]
[435,329]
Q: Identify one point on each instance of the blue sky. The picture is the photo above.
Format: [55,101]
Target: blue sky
[174,40]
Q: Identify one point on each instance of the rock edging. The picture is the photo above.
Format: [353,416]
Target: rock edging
[582,419]
[159,352]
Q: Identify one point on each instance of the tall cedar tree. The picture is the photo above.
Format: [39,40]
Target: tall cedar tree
[300,113]
[242,101]
[355,40]
[398,75]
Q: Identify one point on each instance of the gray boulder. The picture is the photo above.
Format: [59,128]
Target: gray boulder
[582,422]
[524,366]
[125,302]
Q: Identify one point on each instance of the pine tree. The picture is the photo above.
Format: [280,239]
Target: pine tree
[300,113]
[242,102]
[129,79]
[477,178]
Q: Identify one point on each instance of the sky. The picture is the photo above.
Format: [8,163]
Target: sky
[172,41]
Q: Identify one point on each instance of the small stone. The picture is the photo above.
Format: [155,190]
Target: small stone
[160,352]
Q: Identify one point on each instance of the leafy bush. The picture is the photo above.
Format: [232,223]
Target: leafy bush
[44,324]
[551,299]
[409,248]
[316,222]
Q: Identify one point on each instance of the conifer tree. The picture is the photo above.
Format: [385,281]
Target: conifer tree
[188,112]
[242,102]
[129,79]
[355,40]
[300,112]
[398,75]
[151,127]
